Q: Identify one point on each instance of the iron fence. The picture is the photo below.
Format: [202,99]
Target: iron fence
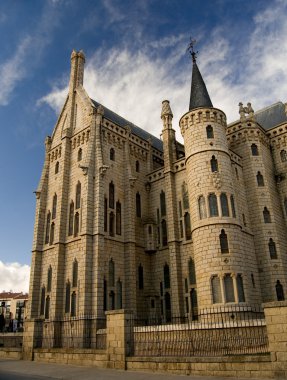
[221,331]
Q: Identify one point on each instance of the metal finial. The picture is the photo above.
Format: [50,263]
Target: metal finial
[190,49]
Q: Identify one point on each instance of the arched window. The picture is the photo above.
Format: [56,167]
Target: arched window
[119,294]
[201,207]
[254,150]
[111,273]
[75,274]
[80,154]
[112,154]
[137,166]
[73,304]
[52,232]
[68,295]
[194,305]
[47,234]
[112,300]
[166,276]
[112,224]
[185,198]
[71,218]
[216,290]
[214,164]
[76,224]
[223,242]
[111,195]
[105,295]
[49,279]
[141,277]
[118,218]
[285,205]
[260,179]
[272,249]
[164,232]
[138,205]
[162,204]
[240,288]
[228,288]
[232,206]
[224,204]
[209,132]
[105,215]
[283,155]
[212,203]
[54,208]
[78,195]
[47,307]
[57,167]
[42,305]
[266,215]
[191,272]
[187,226]
[279,291]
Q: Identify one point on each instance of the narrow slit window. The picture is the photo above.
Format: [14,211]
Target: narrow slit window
[223,242]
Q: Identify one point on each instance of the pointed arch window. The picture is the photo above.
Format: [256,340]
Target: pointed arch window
[240,288]
[191,271]
[224,204]
[285,205]
[223,242]
[119,297]
[111,273]
[47,307]
[76,224]
[228,288]
[141,277]
[112,300]
[112,154]
[272,249]
[111,195]
[47,234]
[214,164]
[118,218]
[137,166]
[216,290]
[78,195]
[232,202]
[201,207]
[279,291]
[260,179]
[49,279]
[105,215]
[138,205]
[57,165]
[80,154]
[266,215]
[71,219]
[54,208]
[112,224]
[68,295]
[164,232]
[166,276]
[52,233]
[42,303]
[75,274]
[187,226]
[254,150]
[283,155]
[212,203]
[162,204]
[209,132]
[73,304]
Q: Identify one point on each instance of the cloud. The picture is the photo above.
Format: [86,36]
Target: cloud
[55,98]
[14,277]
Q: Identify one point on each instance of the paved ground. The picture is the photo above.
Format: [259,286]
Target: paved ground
[27,370]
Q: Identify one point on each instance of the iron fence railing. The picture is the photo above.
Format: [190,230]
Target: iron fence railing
[217,331]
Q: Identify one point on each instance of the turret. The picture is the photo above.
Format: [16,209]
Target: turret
[168,135]
[77,69]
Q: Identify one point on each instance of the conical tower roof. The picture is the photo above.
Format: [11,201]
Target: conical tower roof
[199,96]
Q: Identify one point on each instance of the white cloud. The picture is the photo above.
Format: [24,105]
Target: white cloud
[14,277]
[55,99]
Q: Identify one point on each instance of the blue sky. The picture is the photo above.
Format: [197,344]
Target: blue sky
[135,58]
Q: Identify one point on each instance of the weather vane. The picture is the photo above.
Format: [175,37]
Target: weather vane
[190,49]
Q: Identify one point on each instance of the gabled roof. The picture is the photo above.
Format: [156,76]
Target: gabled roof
[271,116]
[117,119]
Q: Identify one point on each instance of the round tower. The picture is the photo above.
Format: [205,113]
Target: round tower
[224,256]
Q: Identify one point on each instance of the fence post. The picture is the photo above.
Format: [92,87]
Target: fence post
[119,337]
[276,322]
[32,333]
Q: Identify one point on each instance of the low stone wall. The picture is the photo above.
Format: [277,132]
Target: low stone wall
[11,353]
[11,340]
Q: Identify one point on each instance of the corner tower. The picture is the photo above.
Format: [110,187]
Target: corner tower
[224,256]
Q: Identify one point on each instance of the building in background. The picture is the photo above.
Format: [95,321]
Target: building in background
[13,307]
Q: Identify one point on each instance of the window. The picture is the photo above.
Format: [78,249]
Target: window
[71,219]
[42,305]
[47,235]
[75,274]
[209,132]
[105,215]
[111,273]
[76,224]
[224,204]
[49,279]
[236,172]
[285,205]
[201,207]
[216,290]
[54,207]
[112,224]
[232,206]
[167,302]
[240,288]
[266,215]
[68,295]
[166,276]
[138,205]
[212,202]
[191,272]
[187,226]
[162,204]
[112,300]
[78,195]
[253,280]
[111,195]
[254,150]
[180,209]
[119,294]
[185,285]
[186,305]
[194,305]
[105,295]
[73,304]
[47,307]
[244,219]
[181,229]
[223,242]
[185,198]
[279,291]
[137,166]
[52,232]
[164,232]
[272,249]
[141,277]
[283,155]
[80,154]
[112,154]
[228,288]
[214,164]
[260,179]
[57,167]
[118,218]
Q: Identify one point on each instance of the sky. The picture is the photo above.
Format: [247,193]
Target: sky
[135,58]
